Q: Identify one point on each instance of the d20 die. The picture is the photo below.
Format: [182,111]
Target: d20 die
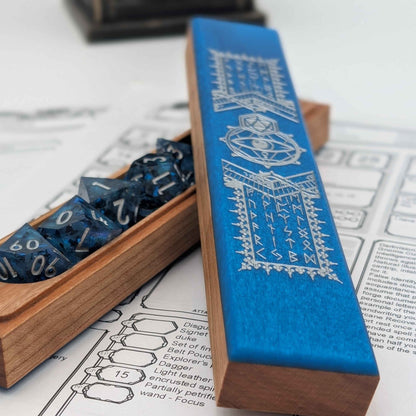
[119,200]
[160,175]
[28,257]
[78,229]
[183,154]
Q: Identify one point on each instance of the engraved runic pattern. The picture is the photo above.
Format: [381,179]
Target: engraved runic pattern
[258,139]
[250,82]
[279,225]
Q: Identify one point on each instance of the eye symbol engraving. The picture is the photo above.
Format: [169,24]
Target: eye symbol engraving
[261,144]
[259,140]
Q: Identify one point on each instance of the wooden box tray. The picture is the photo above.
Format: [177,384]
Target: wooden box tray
[36,319]
[287,334]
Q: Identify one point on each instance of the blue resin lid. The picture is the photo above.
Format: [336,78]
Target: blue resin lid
[287,296]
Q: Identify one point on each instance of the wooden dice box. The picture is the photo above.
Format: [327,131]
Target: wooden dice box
[279,342]
[36,319]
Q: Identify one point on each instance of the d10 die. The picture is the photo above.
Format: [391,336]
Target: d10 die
[160,175]
[117,199]
[78,229]
[27,257]
[183,155]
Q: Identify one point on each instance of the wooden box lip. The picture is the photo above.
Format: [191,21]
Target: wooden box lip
[21,296]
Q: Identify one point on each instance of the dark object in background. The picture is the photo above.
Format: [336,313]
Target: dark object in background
[116,19]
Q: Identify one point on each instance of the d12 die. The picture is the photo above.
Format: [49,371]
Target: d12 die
[183,155]
[119,200]
[27,257]
[78,229]
[160,175]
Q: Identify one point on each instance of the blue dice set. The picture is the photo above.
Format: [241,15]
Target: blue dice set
[101,211]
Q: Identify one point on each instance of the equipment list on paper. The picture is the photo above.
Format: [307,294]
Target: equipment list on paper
[177,375]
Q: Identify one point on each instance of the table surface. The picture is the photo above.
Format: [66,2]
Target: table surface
[358,56]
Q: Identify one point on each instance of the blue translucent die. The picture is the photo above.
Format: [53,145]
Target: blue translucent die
[160,175]
[183,154]
[117,199]
[27,257]
[78,229]
[148,204]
